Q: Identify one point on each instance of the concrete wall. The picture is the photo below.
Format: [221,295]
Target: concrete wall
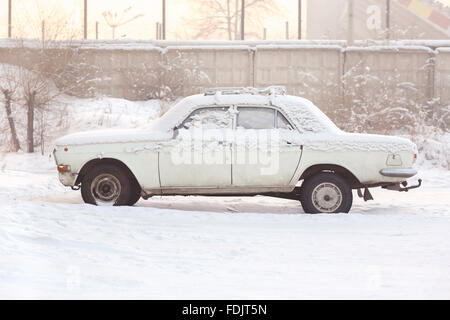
[305,71]
[412,65]
[442,75]
[312,71]
[224,66]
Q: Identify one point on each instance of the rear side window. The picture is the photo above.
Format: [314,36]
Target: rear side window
[282,122]
[261,118]
[256,118]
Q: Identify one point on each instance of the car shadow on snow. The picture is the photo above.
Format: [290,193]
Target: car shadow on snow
[257,204]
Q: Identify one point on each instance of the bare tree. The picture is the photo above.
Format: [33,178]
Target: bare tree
[36,94]
[9,89]
[38,75]
[114,20]
[221,18]
[60,21]
[38,78]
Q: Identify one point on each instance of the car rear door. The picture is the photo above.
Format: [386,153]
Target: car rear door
[266,152]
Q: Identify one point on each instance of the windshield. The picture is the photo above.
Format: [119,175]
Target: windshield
[169,119]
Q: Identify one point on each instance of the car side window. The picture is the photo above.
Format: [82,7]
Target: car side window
[255,118]
[261,118]
[209,118]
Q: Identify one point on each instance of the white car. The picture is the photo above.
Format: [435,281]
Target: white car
[236,141]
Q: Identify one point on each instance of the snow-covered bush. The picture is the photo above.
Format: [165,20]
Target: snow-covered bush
[380,105]
[434,149]
[323,91]
[168,79]
[69,70]
[368,103]
[363,101]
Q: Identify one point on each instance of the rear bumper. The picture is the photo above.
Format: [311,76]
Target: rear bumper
[398,172]
[67,178]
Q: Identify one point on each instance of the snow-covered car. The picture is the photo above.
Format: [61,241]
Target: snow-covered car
[236,141]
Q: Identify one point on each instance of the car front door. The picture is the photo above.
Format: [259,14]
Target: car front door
[265,152]
[199,156]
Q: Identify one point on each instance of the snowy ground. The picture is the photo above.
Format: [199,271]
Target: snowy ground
[54,246]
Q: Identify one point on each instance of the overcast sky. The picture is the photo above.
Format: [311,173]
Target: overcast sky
[27,18]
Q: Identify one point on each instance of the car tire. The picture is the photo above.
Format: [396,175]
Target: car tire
[106,184]
[135,195]
[326,192]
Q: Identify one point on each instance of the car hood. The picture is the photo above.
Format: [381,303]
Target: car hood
[112,136]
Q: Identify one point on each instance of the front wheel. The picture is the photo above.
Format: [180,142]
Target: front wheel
[106,185]
[326,192]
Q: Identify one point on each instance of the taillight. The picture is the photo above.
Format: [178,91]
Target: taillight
[63,168]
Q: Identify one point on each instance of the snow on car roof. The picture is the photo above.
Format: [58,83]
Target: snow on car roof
[302,112]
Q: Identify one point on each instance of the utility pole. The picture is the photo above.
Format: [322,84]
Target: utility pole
[350,27]
[265,34]
[43,33]
[158,31]
[388,19]
[287,30]
[299,19]
[9,18]
[242,20]
[85,19]
[164,19]
[96,30]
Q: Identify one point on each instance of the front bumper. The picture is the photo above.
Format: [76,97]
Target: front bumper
[398,172]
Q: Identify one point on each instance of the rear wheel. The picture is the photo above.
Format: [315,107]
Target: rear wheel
[106,184]
[326,192]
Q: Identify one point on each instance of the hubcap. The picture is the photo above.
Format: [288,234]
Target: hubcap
[327,197]
[105,189]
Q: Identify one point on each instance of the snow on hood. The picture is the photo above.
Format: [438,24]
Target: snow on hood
[111,136]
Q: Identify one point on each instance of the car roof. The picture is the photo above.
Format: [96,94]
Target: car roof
[296,108]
